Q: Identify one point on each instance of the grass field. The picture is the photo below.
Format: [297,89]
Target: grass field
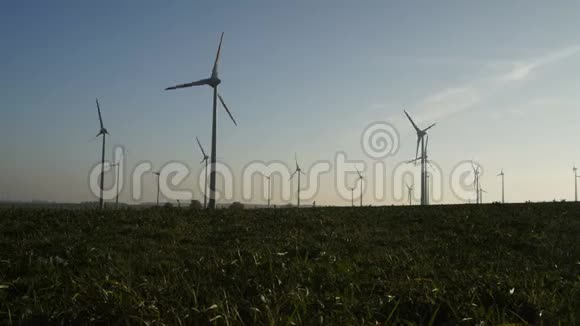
[439,265]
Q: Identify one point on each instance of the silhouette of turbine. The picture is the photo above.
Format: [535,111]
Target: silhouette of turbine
[297,171]
[157,174]
[410,193]
[575,182]
[102,132]
[361,178]
[476,181]
[421,133]
[213,81]
[501,174]
[269,191]
[205,158]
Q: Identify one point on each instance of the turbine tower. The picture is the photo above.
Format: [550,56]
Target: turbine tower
[421,133]
[410,193]
[501,174]
[476,181]
[297,171]
[102,132]
[361,178]
[157,174]
[269,192]
[481,192]
[117,164]
[213,81]
[205,158]
[575,182]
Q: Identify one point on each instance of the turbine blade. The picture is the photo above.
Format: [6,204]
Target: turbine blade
[200,147]
[292,176]
[195,83]
[214,71]
[99,111]
[424,130]
[302,172]
[227,110]
[358,172]
[202,160]
[296,160]
[412,122]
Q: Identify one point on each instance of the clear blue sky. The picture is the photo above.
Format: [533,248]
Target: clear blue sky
[501,79]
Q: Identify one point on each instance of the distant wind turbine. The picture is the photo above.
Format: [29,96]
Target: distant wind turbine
[213,81]
[361,178]
[501,174]
[157,174]
[481,192]
[575,182]
[476,181]
[269,192]
[205,158]
[410,193]
[297,171]
[102,132]
[421,133]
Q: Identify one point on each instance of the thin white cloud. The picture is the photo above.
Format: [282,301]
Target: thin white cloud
[524,70]
[453,100]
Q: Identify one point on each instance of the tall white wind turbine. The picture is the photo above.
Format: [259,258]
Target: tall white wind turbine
[213,81]
[421,133]
[102,132]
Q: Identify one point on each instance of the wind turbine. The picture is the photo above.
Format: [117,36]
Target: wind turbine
[157,174]
[205,158]
[575,182]
[481,191]
[213,81]
[117,182]
[361,178]
[476,181]
[409,192]
[299,171]
[102,132]
[501,174]
[269,192]
[421,133]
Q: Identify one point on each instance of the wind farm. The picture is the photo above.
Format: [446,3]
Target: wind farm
[231,229]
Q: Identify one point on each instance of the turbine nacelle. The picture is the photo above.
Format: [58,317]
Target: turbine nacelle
[103,131]
[214,81]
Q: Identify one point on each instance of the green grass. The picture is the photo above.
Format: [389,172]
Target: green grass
[334,266]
